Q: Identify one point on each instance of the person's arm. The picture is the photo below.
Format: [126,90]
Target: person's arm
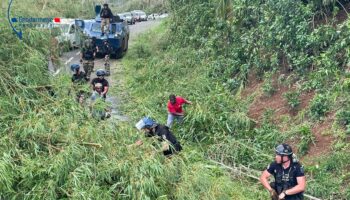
[110,13]
[188,102]
[300,187]
[264,179]
[105,90]
[81,56]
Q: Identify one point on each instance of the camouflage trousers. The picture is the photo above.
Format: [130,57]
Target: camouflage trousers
[88,67]
[107,65]
[105,24]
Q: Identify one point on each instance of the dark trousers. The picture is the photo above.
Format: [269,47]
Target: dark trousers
[279,190]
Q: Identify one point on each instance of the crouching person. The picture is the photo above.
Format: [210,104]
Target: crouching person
[290,181]
[97,104]
[152,129]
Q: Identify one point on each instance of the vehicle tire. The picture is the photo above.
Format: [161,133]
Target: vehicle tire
[119,53]
[126,44]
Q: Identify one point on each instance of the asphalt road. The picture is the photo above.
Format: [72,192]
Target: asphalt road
[72,57]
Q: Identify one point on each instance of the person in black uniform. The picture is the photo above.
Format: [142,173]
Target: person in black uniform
[290,181]
[152,129]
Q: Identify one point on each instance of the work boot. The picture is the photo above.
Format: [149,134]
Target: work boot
[102,34]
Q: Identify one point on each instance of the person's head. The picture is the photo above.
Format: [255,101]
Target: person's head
[146,124]
[98,87]
[284,153]
[105,5]
[100,73]
[105,42]
[172,99]
[75,68]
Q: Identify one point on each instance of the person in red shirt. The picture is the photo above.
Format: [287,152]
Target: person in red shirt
[175,109]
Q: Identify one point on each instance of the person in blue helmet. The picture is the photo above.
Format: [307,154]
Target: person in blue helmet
[290,181]
[152,129]
[78,75]
[78,79]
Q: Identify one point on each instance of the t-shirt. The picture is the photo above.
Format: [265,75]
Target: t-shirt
[104,83]
[177,107]
[164,134]
[286,178]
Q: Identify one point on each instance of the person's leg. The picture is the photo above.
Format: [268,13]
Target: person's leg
[107,26]
[107,66]
[86,69]
[180,119]
[103,22]
[170,120]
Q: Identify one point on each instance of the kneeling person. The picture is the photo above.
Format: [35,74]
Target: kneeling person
[151,129]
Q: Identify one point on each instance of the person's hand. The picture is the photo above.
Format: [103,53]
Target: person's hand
[282,195]
[165,146]
[273,194]
[138,142]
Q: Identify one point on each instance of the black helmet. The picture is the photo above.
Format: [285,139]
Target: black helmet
[105,5]
[284,150]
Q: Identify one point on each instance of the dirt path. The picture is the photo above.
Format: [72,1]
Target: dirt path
[114,79]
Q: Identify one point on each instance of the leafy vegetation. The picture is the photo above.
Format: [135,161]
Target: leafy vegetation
[52,148]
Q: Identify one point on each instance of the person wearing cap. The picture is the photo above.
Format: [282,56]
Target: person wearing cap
[153,129]
[175,109]
[290,181]
[106,16]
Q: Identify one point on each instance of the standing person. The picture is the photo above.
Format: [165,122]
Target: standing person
[175,109]
[87,56]
[290,181]
[152,129]
[107,50]
[101,79]
[106,16]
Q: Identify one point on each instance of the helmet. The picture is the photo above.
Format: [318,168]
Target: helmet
[105,4]
[145,122]
[284,150]
[105,40]
[74,67]
[100,72]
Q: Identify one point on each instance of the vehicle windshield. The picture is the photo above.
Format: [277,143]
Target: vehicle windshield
[96,27]
[127,14]
[63,27]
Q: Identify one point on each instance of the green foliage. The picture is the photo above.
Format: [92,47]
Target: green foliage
[268,87]
[306,138]
[292,98]
[343,116]
[319,106]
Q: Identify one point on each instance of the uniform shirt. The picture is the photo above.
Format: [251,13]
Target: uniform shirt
[286,178]
[106,13]
[177,107]
[106,49]
[164,134]
[104,83]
